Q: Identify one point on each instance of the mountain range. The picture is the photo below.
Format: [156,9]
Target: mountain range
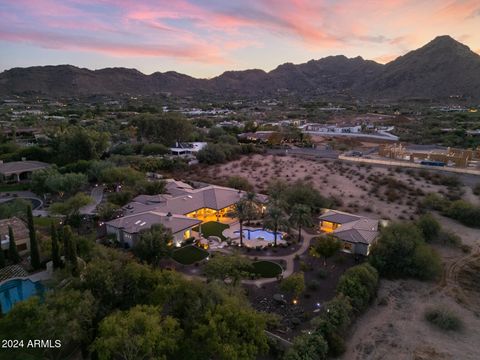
[441,69]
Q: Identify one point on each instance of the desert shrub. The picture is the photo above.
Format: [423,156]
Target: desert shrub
[429,226]
[402,252]
[359,284]
[434,201]
[443,319]
[239,183]
[464,212]
[449,238]
[308,346]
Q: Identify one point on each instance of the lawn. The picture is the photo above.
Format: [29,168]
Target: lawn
[213,228]
[188,255]
[267,269]
[46,221]
[13,187]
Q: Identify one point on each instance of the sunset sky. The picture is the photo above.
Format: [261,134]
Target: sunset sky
[205,38]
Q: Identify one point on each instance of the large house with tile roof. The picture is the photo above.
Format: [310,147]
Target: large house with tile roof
[181,210]
[357,233]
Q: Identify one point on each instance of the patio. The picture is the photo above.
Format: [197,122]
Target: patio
[233,232]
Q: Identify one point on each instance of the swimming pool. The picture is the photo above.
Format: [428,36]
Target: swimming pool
[260,233]
[17,290]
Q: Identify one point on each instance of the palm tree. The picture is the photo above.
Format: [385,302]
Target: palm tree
[274,219]
[301,217]
[251,199]
[243,211]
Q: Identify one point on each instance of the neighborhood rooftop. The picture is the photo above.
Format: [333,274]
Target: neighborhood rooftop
[18,167]
[353,228]
[143,221]
[212,197]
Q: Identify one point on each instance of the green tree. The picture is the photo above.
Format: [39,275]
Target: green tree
[121,175]
[232,267]
[70,250]
[359,284]
[12,247]
[326,246]
[400,252]
[232,331]
[151,187]
[429,226]
[274,219]
[294,284]
[239,183]
[77,143]
[65,315]
[153,245]
[304,193]
[243,211]
[308,347]
[65,183]
[34,252]
[107,210]
[301,217]
[212,154]
[13,208]
[166,128]
[71,206]
[56,259]
[139,333]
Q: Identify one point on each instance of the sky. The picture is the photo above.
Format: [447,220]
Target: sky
[204,38]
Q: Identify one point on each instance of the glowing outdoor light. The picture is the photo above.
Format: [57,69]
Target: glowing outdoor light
[295,301]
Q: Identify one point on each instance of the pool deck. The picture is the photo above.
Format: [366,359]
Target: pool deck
[252,243]
[38,276]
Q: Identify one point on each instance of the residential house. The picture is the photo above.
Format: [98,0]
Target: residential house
[357,233]
[20,170]
[181,210]
[191,148]
[20,233]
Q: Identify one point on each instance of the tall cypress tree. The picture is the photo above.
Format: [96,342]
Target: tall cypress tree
[12,247]
[71,249]
[34,253]
[56,259]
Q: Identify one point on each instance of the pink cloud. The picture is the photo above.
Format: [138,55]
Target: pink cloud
[207,53]
[211,31]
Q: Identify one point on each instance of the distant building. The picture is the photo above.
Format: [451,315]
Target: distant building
[20,170]
[20,233]
[259,136]
[191,148]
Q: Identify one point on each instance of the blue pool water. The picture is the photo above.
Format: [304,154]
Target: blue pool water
[260,233]
[17,290]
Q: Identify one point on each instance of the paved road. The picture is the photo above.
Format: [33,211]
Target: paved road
[317,153]
[97,195]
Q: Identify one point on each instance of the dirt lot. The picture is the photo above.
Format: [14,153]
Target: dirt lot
[397,329]
[372,191]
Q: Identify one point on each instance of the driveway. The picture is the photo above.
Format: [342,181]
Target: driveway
[97,196]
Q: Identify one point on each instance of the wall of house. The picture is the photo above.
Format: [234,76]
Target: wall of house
[130,239]
[361,249]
